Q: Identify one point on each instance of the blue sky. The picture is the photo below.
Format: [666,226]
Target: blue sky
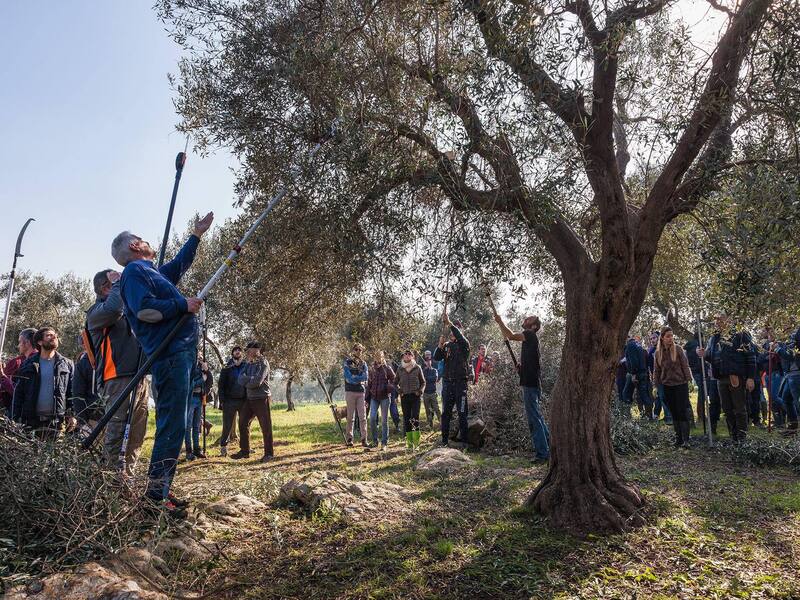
[87,130]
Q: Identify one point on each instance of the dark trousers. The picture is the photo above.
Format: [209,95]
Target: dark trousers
[734,405]
[260,410]
[714,404]
[676,397]
[455,396]
[642,385]
[410,405]
[229,410]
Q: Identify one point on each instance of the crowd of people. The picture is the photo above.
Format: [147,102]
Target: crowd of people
[751,382]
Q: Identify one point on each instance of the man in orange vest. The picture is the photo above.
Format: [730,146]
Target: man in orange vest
[116,353]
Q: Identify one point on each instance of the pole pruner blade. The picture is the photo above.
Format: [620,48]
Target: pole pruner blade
[18,249]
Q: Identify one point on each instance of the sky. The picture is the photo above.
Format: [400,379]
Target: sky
[87,134]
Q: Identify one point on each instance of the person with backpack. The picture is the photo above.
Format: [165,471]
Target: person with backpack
[457,373]
[733,365]
[113,351]
[232,396]
[410,383]
[671,371]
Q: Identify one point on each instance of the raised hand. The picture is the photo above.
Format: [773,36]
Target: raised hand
[202,225]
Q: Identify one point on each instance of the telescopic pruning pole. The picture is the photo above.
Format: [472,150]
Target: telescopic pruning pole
[223,268]
[769,385]
[11,277]
[706,407]
[505,340]
[180,161]
[204,316]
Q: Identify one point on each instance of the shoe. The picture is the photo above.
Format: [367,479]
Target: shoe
[155,508]
[267,458]
[364,444]
[190,457]
[409,440]
[538,460]
[177,501]
[240,454]
[415,439]
[223,451]
[350,443]
[383,447]
[199,454]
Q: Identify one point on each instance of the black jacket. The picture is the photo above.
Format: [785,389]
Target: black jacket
[228,386]
[26,392]
[455,356]
[732,354]
[86,403]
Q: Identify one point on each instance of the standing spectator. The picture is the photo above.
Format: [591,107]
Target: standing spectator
[194,413]
[356,374]
[232,395]
[480,363]
[671,370]
[26,350]
[457,372]
[696,367]
[154,307]
[638,378]
[410,385]
[790,355]
[87,404]
[255,379]
[43,391]
[394,411]
[116,353]
[379,387]
[621,380]
[430,397]
[733,362]
[659,395]
[530,380]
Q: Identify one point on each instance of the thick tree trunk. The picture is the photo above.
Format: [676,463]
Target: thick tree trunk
[584,490]
[289,402]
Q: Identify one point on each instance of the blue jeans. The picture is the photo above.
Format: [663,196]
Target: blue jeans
[540,434]
[172,377]
[775,396]
[661,404]
[373,420]
[791,395]
[194,420]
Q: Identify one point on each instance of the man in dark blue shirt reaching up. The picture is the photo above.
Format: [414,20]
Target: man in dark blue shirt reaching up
[153,306]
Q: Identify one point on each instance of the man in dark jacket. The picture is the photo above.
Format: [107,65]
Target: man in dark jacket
[86,403]
[43,391]
[733,363]
[26,350]
[255,379]
[789,353]
[530,380]
[457,372]
[154,307]
[116,352]
[430,397]
[636,366]
[232,396]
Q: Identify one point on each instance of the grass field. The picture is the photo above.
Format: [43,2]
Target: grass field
[715,529]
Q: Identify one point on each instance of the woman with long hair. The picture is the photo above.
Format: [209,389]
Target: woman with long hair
[671,370]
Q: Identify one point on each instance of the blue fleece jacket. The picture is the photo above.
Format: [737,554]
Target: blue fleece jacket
[635,358]
[153,305]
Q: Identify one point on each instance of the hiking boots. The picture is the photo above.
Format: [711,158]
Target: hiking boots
[155,508]
[349,442]
[240,455]
[267,458]
[223,451]
[177,501]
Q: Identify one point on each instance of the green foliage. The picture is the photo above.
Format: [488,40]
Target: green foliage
[60,303]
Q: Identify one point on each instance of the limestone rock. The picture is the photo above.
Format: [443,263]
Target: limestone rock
[235,507]
[91,581]
[356,500]
[443,461]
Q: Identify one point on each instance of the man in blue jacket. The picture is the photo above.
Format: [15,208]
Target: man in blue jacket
[153,306]
[636,365]
[356,375]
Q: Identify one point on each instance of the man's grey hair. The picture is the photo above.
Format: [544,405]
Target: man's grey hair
[120,248]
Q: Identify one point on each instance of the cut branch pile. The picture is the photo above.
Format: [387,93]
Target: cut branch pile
[60,507]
